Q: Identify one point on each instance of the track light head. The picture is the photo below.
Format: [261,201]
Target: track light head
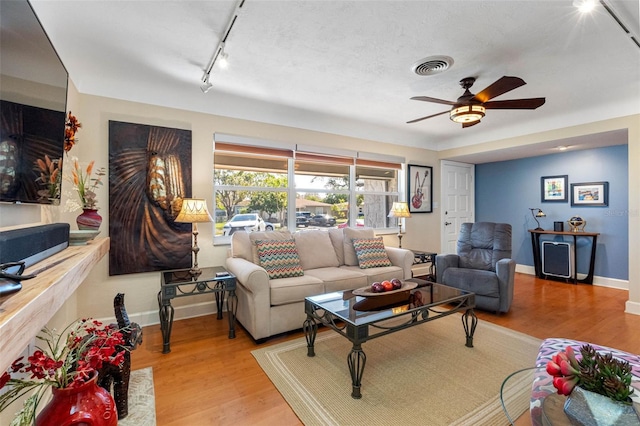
[206,86]
[224,63]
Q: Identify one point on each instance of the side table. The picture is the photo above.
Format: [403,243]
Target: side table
[180,283]
[425,257]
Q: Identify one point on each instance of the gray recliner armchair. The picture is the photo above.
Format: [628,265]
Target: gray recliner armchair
[483,265]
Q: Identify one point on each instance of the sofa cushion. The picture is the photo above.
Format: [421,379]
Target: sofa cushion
[350,257]
[290,290]
[315,249]
[265,235]
[377,274]
[241,246]
[338,279]
[337,239]
[370,252]
[279,258]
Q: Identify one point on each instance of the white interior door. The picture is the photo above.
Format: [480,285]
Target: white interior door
[457,201]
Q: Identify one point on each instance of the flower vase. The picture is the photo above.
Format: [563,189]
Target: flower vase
[89,220]
[87,404]
[588,408]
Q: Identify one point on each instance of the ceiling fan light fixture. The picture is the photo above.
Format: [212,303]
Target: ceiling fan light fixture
[467,113]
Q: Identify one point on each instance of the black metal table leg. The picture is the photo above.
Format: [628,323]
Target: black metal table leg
[310,330]
[219,301]
[166,321]
[469,322]
[356,360]
[232,308]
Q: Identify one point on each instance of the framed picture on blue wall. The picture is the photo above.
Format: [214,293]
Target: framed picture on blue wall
[554,189]
[590,194]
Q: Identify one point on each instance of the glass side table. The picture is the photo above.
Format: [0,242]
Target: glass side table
[424,258]
[181,283]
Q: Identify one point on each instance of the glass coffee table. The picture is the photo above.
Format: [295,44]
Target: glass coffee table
[362,318]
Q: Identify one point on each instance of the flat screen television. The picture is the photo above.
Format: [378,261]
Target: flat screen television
[33,102]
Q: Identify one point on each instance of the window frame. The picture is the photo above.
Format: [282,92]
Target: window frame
[356,160]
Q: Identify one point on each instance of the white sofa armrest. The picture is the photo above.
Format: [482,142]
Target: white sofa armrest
[402,258]
[254,296]
[251,276]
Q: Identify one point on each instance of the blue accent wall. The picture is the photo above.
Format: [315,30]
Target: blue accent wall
[506,190]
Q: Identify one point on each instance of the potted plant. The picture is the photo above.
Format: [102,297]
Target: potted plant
[595,385]
[68,363]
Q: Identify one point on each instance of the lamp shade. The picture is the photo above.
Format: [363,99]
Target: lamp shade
[193,210]
[467,113]
[399,209]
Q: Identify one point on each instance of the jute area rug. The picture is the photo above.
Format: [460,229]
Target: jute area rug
[142,401]
[424,375]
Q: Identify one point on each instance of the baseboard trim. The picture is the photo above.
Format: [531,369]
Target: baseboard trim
[632,307]
[180,312]
[599,281]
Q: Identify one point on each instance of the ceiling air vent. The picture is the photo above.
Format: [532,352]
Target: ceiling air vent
[432,65]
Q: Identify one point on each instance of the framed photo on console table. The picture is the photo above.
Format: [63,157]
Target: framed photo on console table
[553,189]
[419,188]
[590,194]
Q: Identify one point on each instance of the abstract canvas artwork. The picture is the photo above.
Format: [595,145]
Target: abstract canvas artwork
[149,175]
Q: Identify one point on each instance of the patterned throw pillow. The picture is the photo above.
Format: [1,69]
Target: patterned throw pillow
[279,258]
[370,252]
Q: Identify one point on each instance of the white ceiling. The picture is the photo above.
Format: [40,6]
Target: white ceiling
[345,66]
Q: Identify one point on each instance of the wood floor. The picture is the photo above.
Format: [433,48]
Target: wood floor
[208,379]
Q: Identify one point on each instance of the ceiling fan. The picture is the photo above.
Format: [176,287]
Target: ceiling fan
[469,108]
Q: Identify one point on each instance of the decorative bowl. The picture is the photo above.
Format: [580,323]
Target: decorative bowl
[80,238]
[366,291]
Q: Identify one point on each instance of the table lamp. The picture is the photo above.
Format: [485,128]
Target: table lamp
[400,210]
[539,213]
[194,210]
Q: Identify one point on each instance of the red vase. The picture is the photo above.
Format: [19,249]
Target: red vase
[89,220]
[88,404]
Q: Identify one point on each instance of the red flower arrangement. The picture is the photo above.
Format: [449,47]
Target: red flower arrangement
[66,362]
[602,374]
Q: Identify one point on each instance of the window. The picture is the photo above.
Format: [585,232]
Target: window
[322,189]
[250,183]
[293,189]
[377,190]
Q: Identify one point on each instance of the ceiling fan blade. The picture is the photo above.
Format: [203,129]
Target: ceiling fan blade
[429,116]
[502,85]
[435,100]
[464,125]
[531,103]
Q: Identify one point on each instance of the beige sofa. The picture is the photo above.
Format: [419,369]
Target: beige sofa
[269,306]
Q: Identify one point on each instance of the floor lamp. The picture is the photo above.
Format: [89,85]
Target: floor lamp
[399,210]
[194,211]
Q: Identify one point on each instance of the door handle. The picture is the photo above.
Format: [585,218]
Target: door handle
[447,223]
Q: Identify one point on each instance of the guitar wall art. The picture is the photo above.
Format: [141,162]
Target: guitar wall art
[419,188]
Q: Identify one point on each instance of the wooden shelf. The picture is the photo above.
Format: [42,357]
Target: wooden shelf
[573,234]
[23,314]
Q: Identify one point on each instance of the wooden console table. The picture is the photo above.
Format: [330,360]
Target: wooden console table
[23,314]
[537,260]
